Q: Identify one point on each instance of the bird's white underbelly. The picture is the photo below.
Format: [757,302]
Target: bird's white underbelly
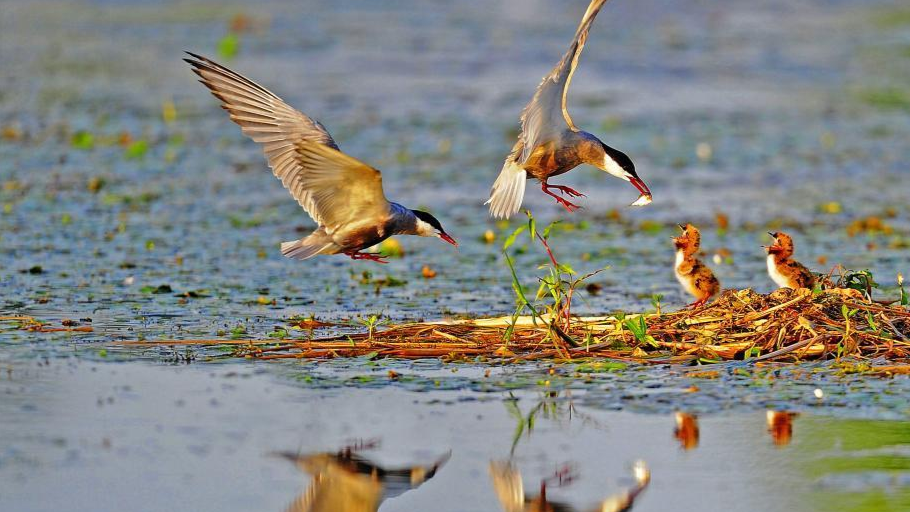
[778,278]
[685,281]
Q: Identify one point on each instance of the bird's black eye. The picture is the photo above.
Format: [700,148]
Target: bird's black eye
[429,219]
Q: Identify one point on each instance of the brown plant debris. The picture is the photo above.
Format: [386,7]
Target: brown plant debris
[786,325]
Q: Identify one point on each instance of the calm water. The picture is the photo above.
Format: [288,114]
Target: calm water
[779,115]
[81,436]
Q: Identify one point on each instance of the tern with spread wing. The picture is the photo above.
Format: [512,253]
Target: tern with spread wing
[550,144]
[348,482]
[510,491]
[342,194]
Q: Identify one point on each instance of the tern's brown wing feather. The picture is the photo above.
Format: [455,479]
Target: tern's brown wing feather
[540,119]
[268,120]
[344,190]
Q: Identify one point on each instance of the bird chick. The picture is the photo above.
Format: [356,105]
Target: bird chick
[785,271]
[780,426]
[692,274]
[686,431]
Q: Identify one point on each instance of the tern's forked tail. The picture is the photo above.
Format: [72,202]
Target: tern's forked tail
[317,243]
[508,190]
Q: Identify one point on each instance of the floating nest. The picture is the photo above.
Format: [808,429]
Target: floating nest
[787,325]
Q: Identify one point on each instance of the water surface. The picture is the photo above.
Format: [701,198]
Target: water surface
[131,205]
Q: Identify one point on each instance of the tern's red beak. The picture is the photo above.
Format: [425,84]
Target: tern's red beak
[640,185]
[447,238]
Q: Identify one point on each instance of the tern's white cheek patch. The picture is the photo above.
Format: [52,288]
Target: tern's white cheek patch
[613,168]
[425,229]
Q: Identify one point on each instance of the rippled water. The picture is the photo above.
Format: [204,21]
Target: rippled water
[783,115]
[80,436]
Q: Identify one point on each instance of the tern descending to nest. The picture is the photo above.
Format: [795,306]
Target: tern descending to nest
[510,490]
[342,194]
[550,144]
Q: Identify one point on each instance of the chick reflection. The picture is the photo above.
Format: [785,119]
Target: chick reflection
[344,481]
[780,426]
[512,498]
[686,431]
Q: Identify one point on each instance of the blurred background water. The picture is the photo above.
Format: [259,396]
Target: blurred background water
[130,203]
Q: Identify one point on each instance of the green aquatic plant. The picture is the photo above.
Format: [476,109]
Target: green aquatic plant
[136,150]
[371,323]
[904,300]
[521,299]
[523,423]
[368,279]
[639,328]
[161,288]
[558,284]
[655,301]
[861,280]
[886,98]
[229,46]
[83,140]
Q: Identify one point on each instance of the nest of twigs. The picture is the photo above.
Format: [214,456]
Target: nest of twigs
[785,325]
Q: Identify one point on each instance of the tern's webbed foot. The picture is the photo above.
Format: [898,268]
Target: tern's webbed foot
[571,207]
[569,191]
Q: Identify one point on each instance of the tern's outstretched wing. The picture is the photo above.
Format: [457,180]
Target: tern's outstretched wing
[542,118]
[342,189]
[508,486]
[268,120]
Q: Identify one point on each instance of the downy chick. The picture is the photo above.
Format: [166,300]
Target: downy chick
[692,274]
[785,271]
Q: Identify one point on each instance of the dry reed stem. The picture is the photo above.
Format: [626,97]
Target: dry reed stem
[786,324]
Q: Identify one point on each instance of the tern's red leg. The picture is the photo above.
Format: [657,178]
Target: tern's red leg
[562,477]
[360,445]
[366,256]
[565,204]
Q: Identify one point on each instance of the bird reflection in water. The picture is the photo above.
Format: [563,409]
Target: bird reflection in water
[686,431]
[346,481]
[512,498]
[780,426]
